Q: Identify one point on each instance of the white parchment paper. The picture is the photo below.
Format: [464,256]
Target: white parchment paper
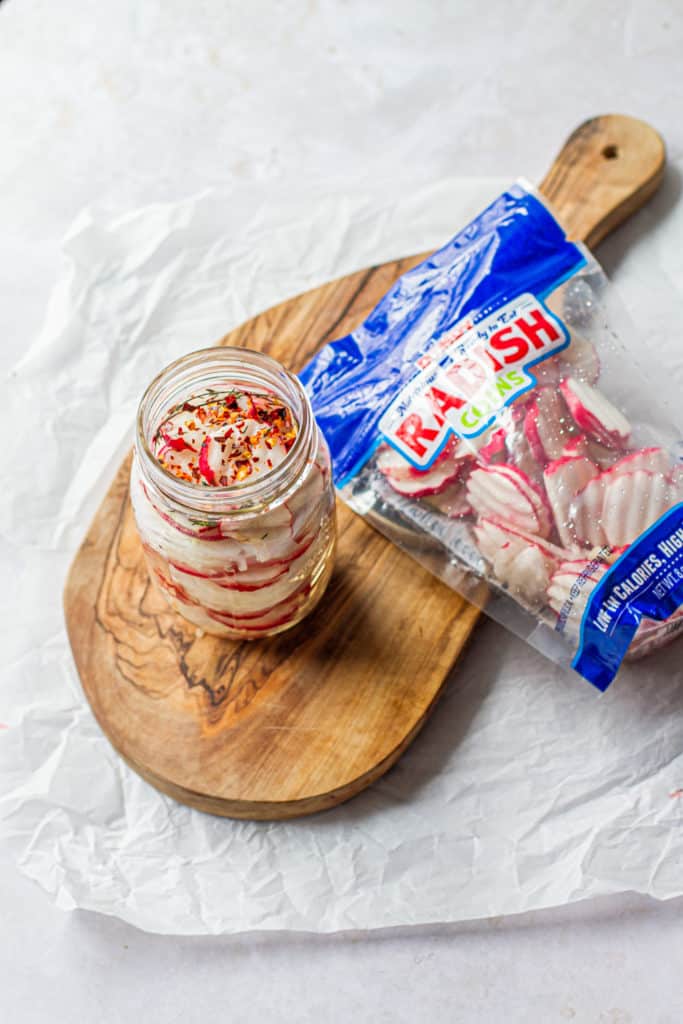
[526,789]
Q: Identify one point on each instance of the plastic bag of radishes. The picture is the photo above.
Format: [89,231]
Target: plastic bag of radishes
[487,418]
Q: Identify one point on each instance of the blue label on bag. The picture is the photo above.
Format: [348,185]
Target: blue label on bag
[645,582]
[471,315]
[469,375]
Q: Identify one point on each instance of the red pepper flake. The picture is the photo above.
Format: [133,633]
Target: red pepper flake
[241,426]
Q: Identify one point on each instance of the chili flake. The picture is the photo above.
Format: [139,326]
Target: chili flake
[218,438]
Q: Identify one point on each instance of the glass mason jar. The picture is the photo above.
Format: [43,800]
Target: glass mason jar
[253,558]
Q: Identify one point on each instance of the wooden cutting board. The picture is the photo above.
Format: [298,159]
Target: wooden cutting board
[300,722]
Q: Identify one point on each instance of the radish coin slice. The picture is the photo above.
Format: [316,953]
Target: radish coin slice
[594,414]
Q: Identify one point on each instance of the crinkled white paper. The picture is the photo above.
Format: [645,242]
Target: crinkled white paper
[525,789]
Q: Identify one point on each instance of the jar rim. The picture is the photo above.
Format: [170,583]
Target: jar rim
[188,372]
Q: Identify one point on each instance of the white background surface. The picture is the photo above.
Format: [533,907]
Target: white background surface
[124,104]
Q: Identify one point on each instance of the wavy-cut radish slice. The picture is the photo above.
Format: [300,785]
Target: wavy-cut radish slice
[171,589]
[548,425]
[653,460]
[498,542]
[395,466]
[504,493]
[575,446]
[431,481]
[564,479]
[268,618]
[251,571]
[521,562]
[307,505]
[254,576]
[153,517]
[535,493]
[452,502]
[569,589]
[242,600]
[277,517]
[585,514]
[581,444]
[594,414]
[532,434]
[555,426]
[632,502]
[676,481]
[519,451]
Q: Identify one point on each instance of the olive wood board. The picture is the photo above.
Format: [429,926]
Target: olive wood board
[297,723]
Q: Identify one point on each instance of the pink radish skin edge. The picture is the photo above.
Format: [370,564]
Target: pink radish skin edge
[505,515]
[532,435]
[586,420]
[538,492]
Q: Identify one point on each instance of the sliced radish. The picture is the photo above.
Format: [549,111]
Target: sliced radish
[601,455]
[494,449]
[569,589]
[249,570]
[581,444]
[548,425]
[653,460]
[178,444]
[308,504]
[632,502]
[494,537]
[585,514]
[396,467]
[676,481]
[431,481]
[241,599]
[520,454]
[148,509]
[532,435]
[173,590]
[209,459]
[555,425]
[269,618]
[506,494]
[529,575]
[521,562]
[564,479]
[536,494]
[453,502]
[593,413]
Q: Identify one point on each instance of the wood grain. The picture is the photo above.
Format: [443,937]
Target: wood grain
[605,171]
[302,721]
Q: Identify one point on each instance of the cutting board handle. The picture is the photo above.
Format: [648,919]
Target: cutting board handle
[605,171]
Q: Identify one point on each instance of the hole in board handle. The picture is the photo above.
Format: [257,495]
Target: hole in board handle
[610,152]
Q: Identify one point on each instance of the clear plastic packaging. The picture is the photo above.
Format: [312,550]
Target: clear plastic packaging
[487,419]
